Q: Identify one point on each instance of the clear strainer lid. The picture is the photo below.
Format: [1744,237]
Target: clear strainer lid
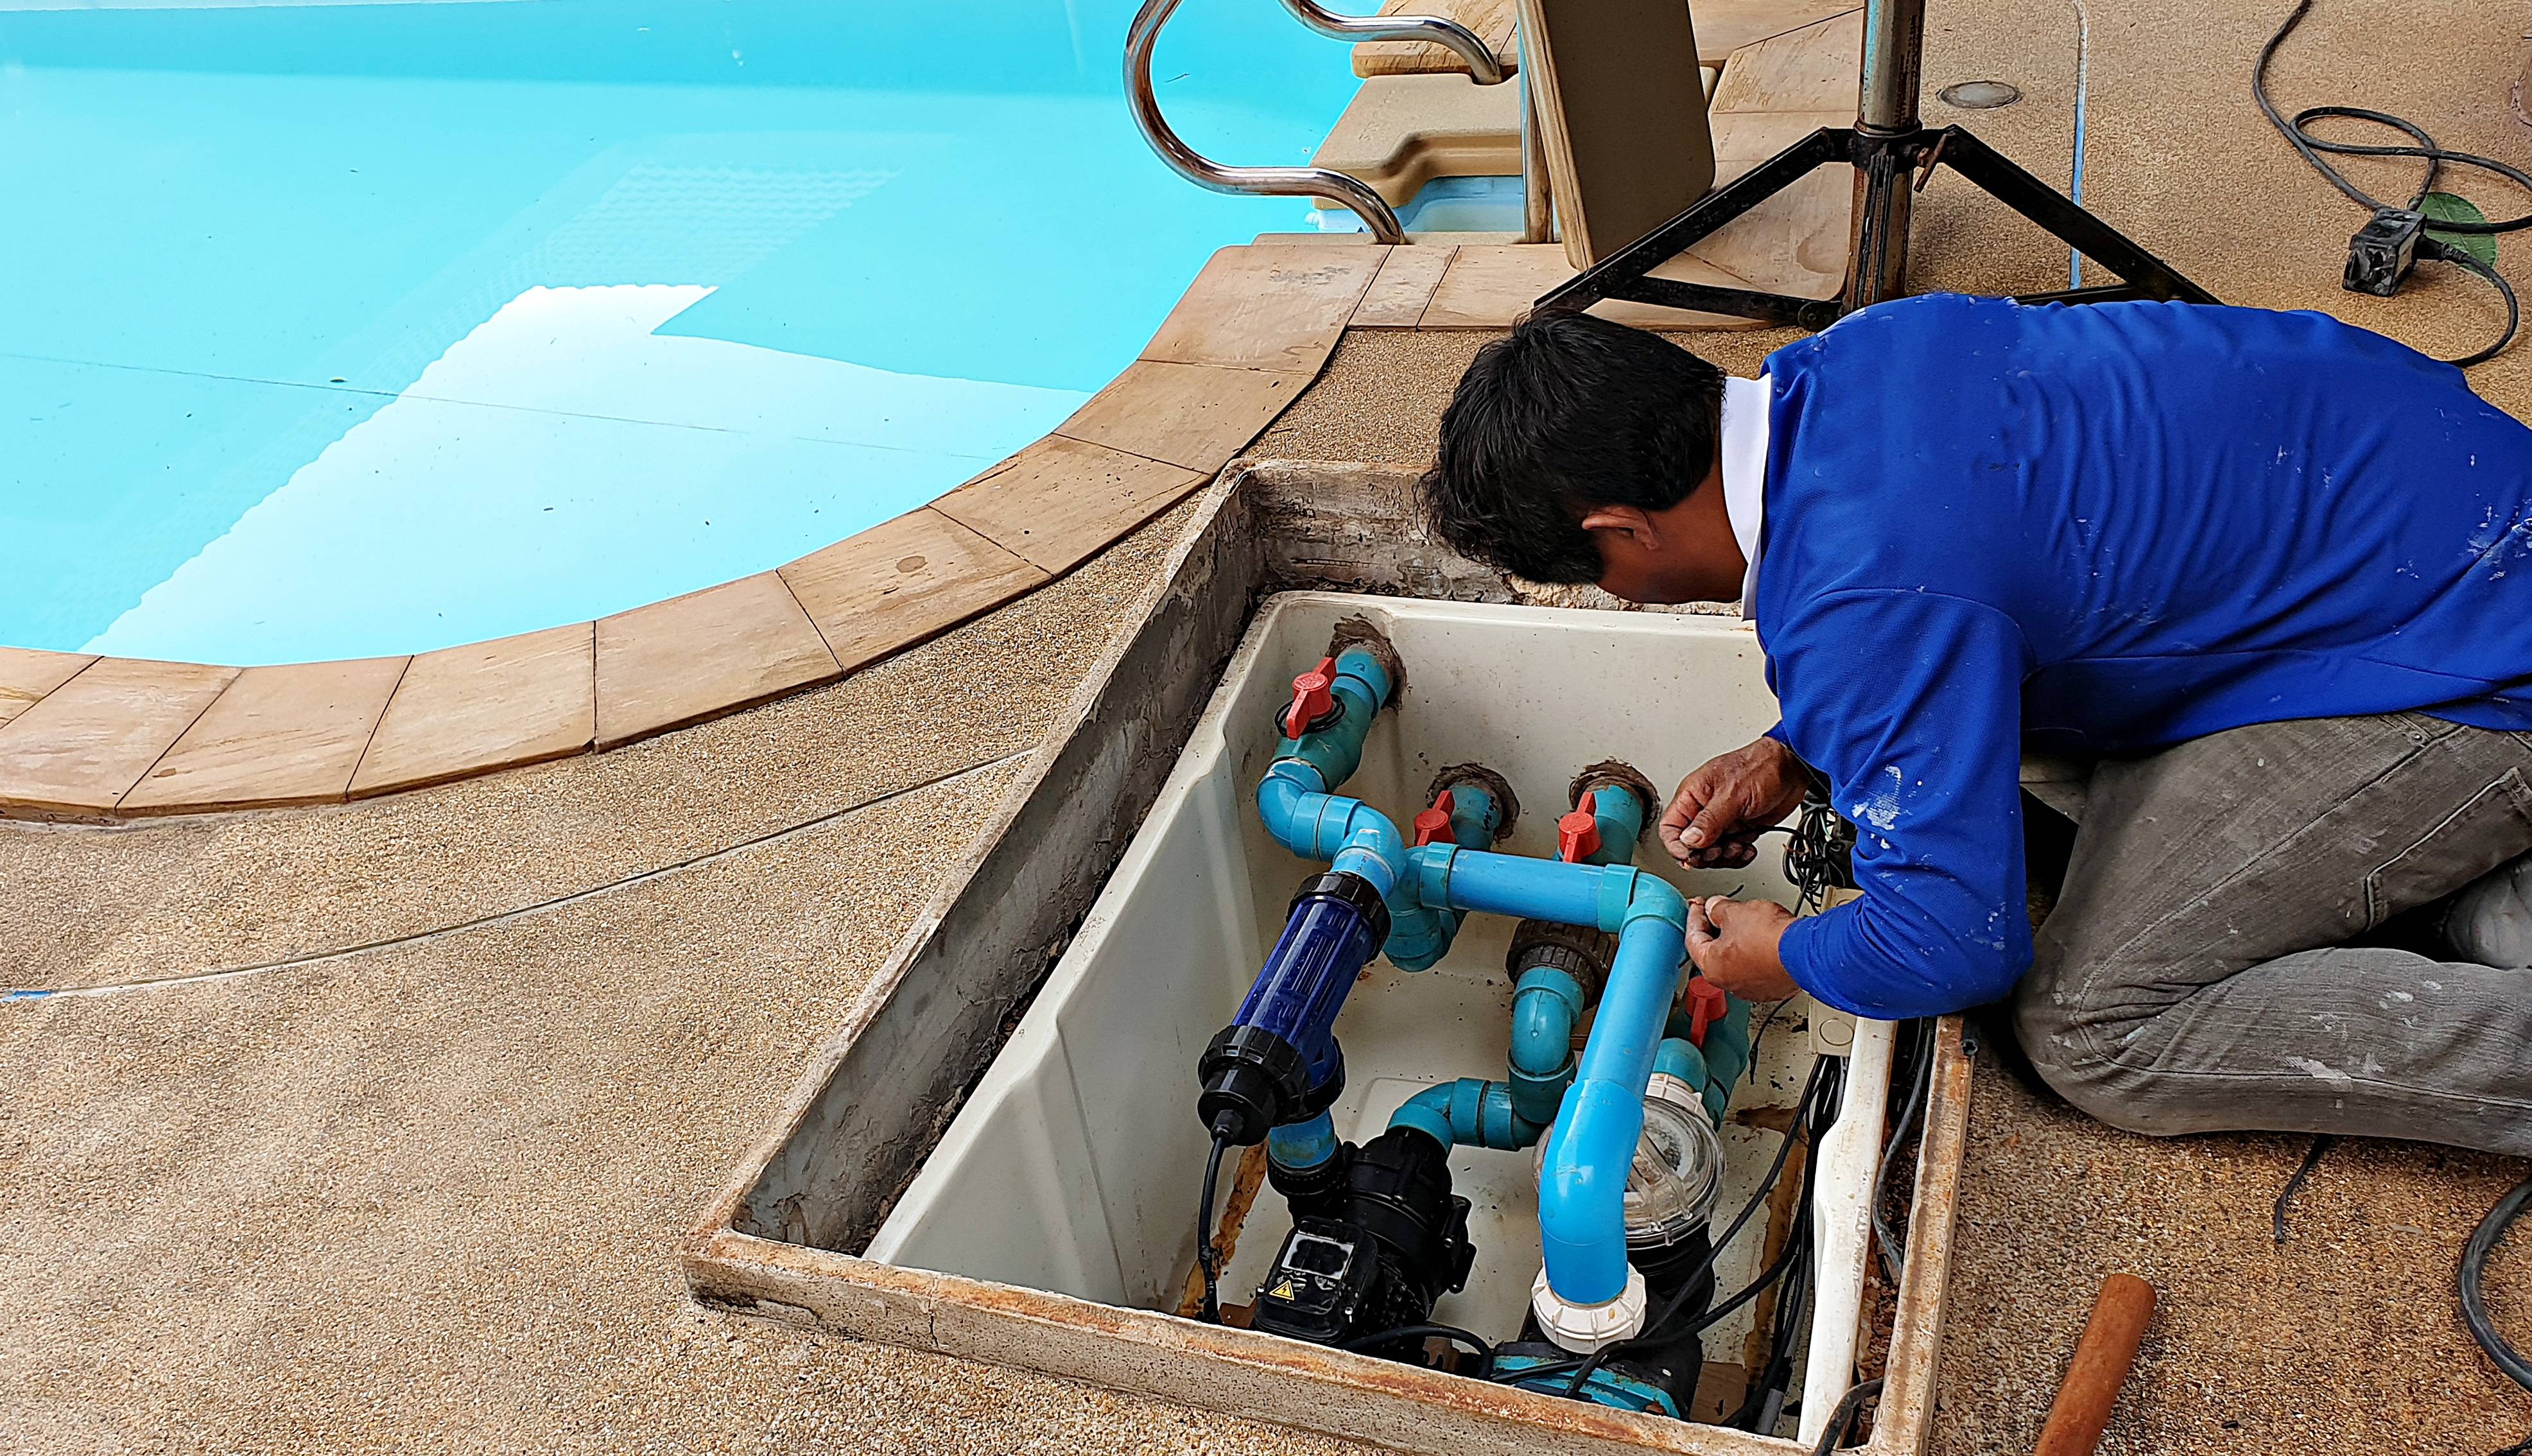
[1677,1176]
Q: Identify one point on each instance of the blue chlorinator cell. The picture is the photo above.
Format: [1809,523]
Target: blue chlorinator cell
[1325,944]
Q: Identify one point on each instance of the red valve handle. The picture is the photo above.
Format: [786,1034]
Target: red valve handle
[1707,1005]
[1434,825]
[1578,834]
[1313,698]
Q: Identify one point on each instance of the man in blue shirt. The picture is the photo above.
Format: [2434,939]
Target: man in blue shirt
[2273,572]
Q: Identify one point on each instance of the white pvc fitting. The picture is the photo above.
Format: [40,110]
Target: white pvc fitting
[1584,1329]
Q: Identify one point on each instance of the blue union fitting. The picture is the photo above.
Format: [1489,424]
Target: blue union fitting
[1468,1112]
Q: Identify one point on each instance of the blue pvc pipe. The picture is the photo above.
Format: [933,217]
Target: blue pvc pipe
[1582,1182]
[1468,1112]
[1508,885]
[1546,1002]
[1609,897]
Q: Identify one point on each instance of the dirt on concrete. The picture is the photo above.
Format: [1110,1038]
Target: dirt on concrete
[2346,1338]
[424,1196]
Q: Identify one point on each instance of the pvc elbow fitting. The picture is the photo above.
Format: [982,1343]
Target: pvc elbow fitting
[1679,1057]
[1467,1112]
[1545,1005]
[1652,898]
[1419,937]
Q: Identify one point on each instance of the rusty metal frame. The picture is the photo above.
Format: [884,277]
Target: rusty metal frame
[885,1085]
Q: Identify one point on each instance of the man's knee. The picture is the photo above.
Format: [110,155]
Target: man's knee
[2076,1047]
[2125,1096]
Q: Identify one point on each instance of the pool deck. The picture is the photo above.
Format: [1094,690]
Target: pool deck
[374,1126]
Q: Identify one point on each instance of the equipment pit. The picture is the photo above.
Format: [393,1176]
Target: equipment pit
[999,1155]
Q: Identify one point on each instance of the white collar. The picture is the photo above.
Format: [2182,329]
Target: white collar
[1743,445]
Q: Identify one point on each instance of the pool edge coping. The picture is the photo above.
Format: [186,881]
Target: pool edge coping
[87,739]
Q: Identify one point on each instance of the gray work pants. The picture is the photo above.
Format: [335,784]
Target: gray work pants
[2194,977]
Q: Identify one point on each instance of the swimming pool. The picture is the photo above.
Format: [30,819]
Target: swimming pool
[331,331]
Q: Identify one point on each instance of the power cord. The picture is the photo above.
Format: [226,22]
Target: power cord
[1841,1422]
[1452,1332]
[1207,1256]
[2385,250]
[2474,1302]
[1886,1236]
[2312,1158]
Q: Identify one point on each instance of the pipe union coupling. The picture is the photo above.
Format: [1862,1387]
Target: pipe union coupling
[1584,1329]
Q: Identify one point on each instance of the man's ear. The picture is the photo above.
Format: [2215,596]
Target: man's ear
[1628,522]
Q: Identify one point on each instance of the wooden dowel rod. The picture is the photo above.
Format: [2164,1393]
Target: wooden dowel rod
[2102,1358]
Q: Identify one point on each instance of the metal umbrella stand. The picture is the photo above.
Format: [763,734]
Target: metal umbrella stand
[1893,153]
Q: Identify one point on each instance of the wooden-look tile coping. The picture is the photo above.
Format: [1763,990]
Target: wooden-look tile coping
[84,737]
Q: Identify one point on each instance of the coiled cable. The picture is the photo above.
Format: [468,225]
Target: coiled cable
[2297,132]
[2474,1302]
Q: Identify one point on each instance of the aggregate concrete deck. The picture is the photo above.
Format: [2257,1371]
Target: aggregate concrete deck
[421,1196]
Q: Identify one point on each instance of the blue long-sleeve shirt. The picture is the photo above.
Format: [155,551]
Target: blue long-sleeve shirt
[2103,529]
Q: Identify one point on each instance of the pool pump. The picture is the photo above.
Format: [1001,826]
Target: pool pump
[1624,1139]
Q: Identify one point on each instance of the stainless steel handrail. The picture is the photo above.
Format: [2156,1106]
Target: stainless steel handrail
[1450,34]
[1308,182]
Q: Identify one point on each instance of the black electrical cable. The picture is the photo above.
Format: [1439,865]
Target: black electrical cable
[2297,132]
[1585,1367]
[1841,1422]
[2474,1302]
[1778,1366]
[1376,1339]
[1760,1034]
[1894,1256]
[1811,854]
[2312,1158]
[1767,1396]
[1206,1256]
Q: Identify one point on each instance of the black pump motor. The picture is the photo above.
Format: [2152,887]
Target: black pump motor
[1371,1252]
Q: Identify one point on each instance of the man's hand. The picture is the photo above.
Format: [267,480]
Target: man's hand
[1734,944]
[1707,823]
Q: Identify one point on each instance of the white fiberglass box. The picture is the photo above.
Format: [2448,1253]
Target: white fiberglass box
[1074,1165]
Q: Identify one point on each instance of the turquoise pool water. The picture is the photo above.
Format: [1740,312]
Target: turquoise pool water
[330,330]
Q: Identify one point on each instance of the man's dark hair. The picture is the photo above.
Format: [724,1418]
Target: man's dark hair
[1569,413]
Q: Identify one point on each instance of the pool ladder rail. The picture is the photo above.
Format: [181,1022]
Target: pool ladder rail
[1313,181]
